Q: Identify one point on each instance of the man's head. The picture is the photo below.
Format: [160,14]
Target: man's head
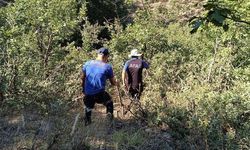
[134,53]
[103,54]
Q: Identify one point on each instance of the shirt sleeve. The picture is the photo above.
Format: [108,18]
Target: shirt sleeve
[145,64]
[110,73]
[84,67]
[125,68]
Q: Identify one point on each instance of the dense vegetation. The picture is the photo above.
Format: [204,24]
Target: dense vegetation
[199,53]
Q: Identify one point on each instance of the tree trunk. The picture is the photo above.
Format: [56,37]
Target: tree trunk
[44,42]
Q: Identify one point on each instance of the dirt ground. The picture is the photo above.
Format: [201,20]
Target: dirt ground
[64,129]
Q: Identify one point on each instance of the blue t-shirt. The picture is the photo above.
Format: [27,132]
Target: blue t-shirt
[96,72]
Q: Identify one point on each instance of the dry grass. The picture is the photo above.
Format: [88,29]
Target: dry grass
[31,130]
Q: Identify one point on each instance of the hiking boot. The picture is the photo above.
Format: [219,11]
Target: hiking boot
[87,121]
[110,123]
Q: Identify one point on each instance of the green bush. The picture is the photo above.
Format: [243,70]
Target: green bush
[197,84]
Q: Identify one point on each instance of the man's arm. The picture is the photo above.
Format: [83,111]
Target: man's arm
[111,77]
[124,74]
[113,81]
[123,77]
[83,76]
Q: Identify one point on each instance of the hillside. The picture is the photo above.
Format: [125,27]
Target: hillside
[195,92]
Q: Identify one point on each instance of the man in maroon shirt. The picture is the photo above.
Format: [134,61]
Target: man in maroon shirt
[132,74]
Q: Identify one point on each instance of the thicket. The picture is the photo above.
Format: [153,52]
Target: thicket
[198,84]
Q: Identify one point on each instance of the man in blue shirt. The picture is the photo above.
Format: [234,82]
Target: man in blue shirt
[132,74]
[94,76]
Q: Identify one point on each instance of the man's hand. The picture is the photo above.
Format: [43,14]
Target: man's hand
[117,83]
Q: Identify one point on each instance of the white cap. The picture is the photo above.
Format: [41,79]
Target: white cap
[134,52]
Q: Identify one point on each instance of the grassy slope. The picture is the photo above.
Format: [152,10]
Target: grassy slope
[32,130]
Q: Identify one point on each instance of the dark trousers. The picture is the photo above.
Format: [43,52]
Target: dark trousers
[101,98]
[135,93]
